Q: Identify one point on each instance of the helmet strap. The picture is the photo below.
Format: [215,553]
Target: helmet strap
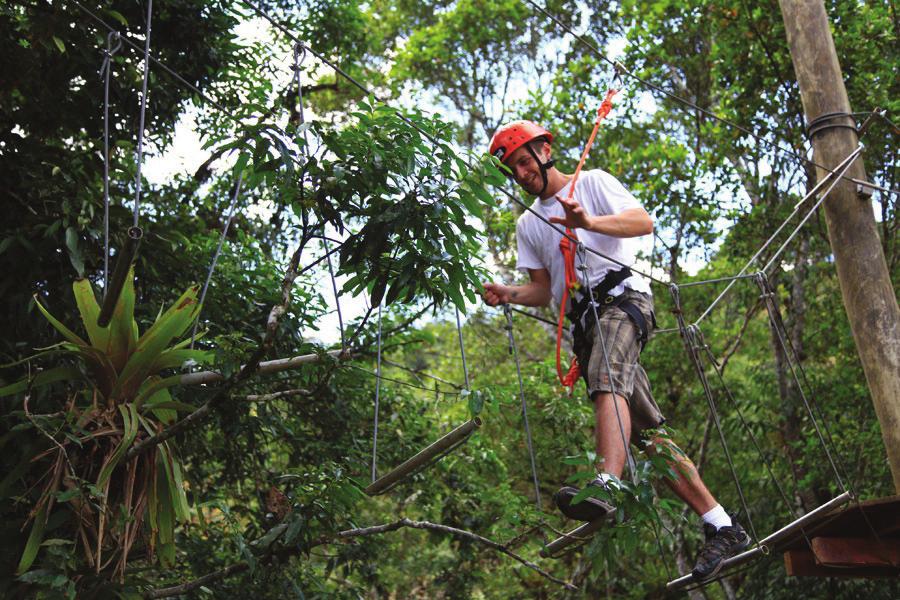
[543,166]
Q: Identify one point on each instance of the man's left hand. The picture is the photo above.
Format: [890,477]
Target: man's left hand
[576,217]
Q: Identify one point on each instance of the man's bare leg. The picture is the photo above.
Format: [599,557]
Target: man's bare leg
[608,434]
[688,485]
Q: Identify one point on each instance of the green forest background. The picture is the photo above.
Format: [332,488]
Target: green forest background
[257,490]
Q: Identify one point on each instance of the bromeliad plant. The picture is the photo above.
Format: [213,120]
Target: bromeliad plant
[117,398]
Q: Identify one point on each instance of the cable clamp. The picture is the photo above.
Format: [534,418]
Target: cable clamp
[620,70]
[826,121]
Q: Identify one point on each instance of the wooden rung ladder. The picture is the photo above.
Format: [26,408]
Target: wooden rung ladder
[579,534]
[423,459]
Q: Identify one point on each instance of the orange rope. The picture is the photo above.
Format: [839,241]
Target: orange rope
[567,246]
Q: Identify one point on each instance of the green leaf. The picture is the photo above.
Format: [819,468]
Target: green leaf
[130,426]
[170,325]
[59,44]
[34,541]
[90,311]
[175,484]
[117,16]
[75,256]
[65,331]
[151,387]
[476,402]
[123,333]
[155,402]
[175,357]
[41,379]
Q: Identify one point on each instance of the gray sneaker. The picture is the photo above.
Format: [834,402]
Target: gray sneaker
[720,545]
[589,509]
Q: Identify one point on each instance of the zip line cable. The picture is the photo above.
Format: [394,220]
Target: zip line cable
[299,56]
[405,383]
[775,319]
[620,67]
[140,148]
[514,351]
[105,72]
[842,167]
[215,258]
[731,398]
[377,398]
[810,213]
[689,338]
[462,350]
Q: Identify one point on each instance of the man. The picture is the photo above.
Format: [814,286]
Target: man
[606,218]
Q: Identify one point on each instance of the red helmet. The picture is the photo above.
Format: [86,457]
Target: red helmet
[512,136]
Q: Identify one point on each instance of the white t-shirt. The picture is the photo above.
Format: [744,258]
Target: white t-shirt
[538,244]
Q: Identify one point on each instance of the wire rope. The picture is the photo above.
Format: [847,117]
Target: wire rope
[105,72]
[377,399]
[689,336]
[462,350]
[215,258]
[622,69]
[515,353]
[629,458]
[140,148]
[843,164]
[299,56]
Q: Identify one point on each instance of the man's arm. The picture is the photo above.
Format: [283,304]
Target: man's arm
[631,222]
[534,293]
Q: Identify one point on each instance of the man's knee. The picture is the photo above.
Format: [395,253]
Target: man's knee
[603,399]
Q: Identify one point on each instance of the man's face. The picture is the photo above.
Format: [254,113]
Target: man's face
[525,169]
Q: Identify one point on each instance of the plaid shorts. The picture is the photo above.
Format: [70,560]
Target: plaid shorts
[629,379]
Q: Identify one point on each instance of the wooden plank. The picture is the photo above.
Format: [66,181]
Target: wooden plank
[579,534]
[802,563]
[424,458]
[856,552]
[883,514]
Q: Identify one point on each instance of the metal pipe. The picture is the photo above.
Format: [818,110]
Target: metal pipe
[423,458]
[123,266]
[576,535]
[765,545]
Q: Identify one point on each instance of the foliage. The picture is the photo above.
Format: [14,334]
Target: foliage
[275,470]
[115,397]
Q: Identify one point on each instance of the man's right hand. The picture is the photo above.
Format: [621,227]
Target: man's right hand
[496,293]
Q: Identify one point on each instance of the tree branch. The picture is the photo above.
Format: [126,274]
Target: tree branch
[361,532]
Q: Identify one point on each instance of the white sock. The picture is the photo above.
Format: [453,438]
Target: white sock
[611,482]
[717,517]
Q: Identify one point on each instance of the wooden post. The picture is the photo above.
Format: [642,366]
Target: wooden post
[861,268]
